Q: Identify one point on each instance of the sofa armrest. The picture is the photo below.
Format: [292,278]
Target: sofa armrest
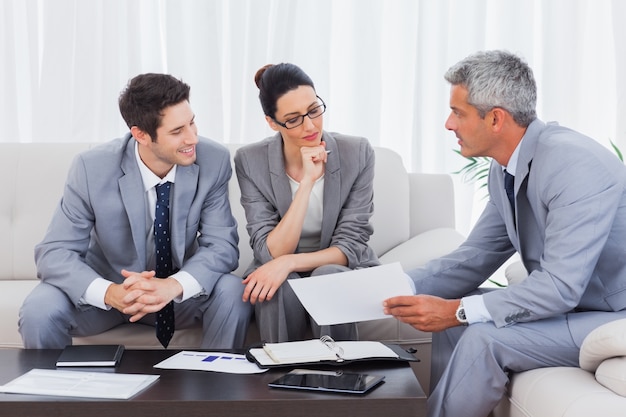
[431,202]
[603,352]
[611,374]
[604,342]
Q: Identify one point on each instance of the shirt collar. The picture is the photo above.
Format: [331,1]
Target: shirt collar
[149,178]
[512,166]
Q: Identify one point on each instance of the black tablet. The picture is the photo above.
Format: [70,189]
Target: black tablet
[331,381]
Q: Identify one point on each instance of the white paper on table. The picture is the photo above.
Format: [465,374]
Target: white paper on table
[79,384]
[351,296]
[210,361]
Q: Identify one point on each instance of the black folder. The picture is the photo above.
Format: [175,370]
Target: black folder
[90,355]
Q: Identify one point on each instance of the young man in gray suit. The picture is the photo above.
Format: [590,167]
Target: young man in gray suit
[98,258]
[566,217]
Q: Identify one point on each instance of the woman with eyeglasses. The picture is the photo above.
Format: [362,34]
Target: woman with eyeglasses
[307,194]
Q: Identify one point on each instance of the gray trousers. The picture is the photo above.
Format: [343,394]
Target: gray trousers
[49,320]
[471,365]
[284,319]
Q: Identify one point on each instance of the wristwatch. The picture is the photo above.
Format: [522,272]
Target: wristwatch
[460,314]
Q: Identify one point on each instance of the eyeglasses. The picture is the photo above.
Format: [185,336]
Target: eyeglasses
[296,121]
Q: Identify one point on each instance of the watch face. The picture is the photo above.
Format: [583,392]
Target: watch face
[460,315]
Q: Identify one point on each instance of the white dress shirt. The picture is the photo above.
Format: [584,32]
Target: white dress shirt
[310,235]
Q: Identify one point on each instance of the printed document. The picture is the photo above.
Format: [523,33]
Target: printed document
[79,384]
[351,296]
[210,361]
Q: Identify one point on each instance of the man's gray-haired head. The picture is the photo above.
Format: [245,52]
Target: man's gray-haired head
[497,79]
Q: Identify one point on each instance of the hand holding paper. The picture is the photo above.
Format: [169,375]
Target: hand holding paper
[351,296]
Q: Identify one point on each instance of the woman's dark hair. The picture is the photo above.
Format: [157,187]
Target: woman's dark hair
[146,96]
[276,80]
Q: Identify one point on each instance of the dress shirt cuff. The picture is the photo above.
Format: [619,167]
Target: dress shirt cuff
[191,286]
[94,295]
[475,309]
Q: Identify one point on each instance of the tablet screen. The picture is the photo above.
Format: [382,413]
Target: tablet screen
[333,381]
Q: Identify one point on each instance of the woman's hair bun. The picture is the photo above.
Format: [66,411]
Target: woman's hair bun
[259,74]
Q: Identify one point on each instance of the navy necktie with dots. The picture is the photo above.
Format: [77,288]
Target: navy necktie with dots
[509,181]
[163,267]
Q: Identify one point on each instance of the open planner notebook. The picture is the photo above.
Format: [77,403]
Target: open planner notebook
[324,350]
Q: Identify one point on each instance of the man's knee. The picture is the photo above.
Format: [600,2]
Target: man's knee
[477,340]
[45,305]
[44,318]
[228,293]
[228,287]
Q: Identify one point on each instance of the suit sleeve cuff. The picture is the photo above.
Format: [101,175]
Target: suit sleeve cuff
[94,295]
[475,309]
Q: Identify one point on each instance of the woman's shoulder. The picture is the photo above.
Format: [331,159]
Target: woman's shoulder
[348,143]
[255,148]
[342,137]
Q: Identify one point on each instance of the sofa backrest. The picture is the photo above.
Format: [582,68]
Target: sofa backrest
[36,172]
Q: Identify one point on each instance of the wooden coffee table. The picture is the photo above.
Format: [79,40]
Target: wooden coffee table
[199,393]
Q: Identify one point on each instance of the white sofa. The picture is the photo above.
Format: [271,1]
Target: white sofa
[413,222]
[596,388]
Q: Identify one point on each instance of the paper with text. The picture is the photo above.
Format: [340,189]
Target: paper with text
[79,384]
[351,296]
[210,361]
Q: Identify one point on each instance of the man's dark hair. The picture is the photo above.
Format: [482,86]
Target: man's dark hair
[146,96]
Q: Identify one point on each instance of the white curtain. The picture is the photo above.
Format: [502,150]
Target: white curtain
[378,64]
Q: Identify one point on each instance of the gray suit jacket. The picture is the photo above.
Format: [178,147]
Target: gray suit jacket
[348,195]
[570,233]
[101,225]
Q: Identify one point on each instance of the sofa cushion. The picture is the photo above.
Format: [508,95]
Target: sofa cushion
[420,249]
[390,220]
[605,342]
[612,374]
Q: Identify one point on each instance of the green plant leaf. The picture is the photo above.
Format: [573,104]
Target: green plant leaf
[476,170]
[496,283]
[617,151]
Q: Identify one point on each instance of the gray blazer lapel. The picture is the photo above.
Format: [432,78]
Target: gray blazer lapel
[528,233]
[527,151]
[509,219]
[332,192]
[278,175]
[131,186]
[184,191]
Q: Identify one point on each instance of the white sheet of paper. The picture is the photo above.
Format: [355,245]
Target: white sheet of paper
[79,384]
[351,296]
[210,361]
